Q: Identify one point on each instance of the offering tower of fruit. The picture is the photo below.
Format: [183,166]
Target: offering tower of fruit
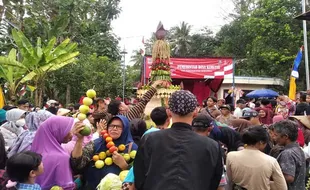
[160,70]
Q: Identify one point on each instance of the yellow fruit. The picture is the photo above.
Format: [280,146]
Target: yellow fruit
[84,109]
[108,153]
[127,157]
[121,147]
[102,155]
[108,161]
[56,188]
[86,131]
[123,175]
[87,101]
[99,164]
[133,154]
[81,116]
[95,158]
[91,93]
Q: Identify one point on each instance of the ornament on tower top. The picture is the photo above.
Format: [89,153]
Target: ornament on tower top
[160,32]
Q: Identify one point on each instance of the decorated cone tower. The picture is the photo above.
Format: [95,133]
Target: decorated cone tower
[160,70]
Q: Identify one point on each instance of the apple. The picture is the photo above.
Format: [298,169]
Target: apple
[110,144]
[91,93]
[108,139]
[123,175]
[102,155]
[99,164]
[126,157]
[112,149]
[121,147]
[84,109]
[133,154]
[87,101]
[81,116]
[108,161]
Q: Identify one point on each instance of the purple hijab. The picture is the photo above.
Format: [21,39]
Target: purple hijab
[47,142]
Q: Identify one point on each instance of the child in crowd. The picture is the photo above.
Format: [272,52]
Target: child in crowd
[23,168]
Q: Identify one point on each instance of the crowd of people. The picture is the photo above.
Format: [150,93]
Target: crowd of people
[254,145]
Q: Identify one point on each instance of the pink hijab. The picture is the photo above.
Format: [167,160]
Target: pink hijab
[68,147]
[56,160]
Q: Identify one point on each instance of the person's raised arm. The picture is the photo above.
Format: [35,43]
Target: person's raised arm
[138,109]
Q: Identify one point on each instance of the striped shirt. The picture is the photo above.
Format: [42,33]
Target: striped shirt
[138,110]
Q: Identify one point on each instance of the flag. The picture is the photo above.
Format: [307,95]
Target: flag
[30,88]
[22,91]
[2,99]
[295,75]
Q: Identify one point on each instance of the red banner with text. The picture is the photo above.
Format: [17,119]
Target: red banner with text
[196,68]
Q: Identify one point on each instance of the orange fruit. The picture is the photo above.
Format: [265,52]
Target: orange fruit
[121,147]
[108,139]
[95,158]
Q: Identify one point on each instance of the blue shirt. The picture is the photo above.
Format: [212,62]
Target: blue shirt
[24,186]
[130,178]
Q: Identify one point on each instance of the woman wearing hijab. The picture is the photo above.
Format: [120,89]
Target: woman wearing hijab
[33,122]
[265,115]
[13,127]
[47,142]
[81,158]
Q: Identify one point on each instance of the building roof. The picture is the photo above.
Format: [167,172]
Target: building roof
[254,80]
[304,16]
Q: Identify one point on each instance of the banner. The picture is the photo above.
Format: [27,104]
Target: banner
[196,68]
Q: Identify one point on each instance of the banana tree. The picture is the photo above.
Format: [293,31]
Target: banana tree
[39,60]
[12,72]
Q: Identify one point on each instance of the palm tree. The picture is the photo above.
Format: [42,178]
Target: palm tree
[180,39]
[137,59]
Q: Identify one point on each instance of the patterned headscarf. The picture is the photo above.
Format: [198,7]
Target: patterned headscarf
[182,102]
[24,140]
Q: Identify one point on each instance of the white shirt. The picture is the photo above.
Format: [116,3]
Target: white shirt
[238,113]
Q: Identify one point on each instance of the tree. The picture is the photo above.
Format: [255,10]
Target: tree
[11,73]
[203,43]
[180,39]
[39,60]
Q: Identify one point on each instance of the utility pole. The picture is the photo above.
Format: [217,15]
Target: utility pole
[306,45]
[124,52]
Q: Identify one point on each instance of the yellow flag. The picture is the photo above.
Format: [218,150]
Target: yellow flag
[2,99]
[31,88]
[292,90]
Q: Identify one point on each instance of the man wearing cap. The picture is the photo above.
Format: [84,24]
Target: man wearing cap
[252,117]
[178,158]
[205,125]
[226,117]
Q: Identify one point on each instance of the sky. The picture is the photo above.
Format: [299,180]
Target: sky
[139,18]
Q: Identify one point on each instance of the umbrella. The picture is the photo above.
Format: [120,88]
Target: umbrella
[267,93]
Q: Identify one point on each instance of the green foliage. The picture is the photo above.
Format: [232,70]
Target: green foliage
[100,72]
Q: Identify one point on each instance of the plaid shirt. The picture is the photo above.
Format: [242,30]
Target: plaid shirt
[23,186]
